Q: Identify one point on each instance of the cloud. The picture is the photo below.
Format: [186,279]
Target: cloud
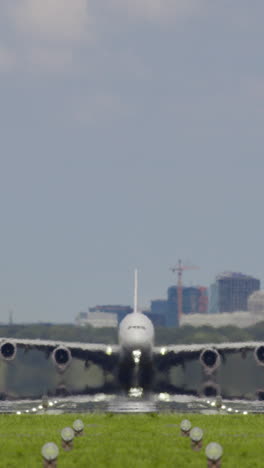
[159,10]
[46,32]
[51,19]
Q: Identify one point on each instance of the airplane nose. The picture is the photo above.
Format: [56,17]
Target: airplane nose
[137,342]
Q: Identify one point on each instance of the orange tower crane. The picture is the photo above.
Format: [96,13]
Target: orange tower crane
[179,269]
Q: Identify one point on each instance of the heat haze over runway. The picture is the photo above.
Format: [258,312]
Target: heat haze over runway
[156,403]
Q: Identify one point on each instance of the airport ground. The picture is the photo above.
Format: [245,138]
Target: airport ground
[140,441]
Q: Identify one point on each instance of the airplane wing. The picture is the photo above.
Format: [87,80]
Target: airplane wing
[210,355]
[62,352]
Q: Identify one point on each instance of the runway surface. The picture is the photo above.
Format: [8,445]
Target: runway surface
[135,403]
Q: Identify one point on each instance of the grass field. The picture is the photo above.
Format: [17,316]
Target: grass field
[127,441]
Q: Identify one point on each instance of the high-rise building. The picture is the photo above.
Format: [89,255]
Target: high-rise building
[230,292]
[158,320]
[172,319]
[159,307]
[194,300]
[158,312]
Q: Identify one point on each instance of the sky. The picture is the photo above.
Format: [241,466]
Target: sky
[131,135]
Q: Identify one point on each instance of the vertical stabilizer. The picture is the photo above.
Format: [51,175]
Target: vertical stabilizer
[135,291]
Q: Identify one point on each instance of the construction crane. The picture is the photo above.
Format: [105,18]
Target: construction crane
[179,269]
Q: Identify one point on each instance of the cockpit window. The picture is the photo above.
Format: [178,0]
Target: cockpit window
[137,326]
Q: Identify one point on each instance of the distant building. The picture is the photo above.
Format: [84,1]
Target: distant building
[103,315]
[159,307]
[97,319]
[120,310]
[81,319]
[239,319]
[256,302]
[203,300]
[102,319]
[230,292]
[158,312]
[194,301]
[213,299]
[172,308]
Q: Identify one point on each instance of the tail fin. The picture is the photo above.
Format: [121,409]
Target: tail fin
[135,291]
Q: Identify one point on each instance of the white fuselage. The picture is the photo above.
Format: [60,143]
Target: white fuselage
[136,332]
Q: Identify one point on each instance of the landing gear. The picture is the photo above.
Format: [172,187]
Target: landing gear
[136,375]
[146,376]
[126,374]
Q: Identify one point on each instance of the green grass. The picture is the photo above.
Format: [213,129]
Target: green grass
[127,441]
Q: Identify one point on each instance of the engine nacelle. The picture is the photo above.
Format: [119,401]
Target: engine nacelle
[259,355]
[260,394]
[61,357]
[211,389]
[210,359]
[8,350]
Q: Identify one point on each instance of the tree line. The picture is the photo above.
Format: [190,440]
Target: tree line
[163,336]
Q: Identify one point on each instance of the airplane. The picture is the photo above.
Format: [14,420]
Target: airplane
[135,358]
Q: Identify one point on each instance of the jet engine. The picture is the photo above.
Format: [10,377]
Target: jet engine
[210,389]
[61,357]
[260,394]
[210,359]
[259,355]
[8,350]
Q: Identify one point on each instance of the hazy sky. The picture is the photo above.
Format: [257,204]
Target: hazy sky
[131,135]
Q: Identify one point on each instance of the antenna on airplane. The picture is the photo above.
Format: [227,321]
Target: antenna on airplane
[135,290]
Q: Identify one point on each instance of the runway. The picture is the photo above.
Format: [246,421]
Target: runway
[135,403]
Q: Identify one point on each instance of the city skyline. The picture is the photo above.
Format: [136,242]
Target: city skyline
[131,136]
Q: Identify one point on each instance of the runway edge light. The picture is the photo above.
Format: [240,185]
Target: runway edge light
[214,452]
[78,427]
[50,453]
[67,436]
[196,436]
[185,427]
